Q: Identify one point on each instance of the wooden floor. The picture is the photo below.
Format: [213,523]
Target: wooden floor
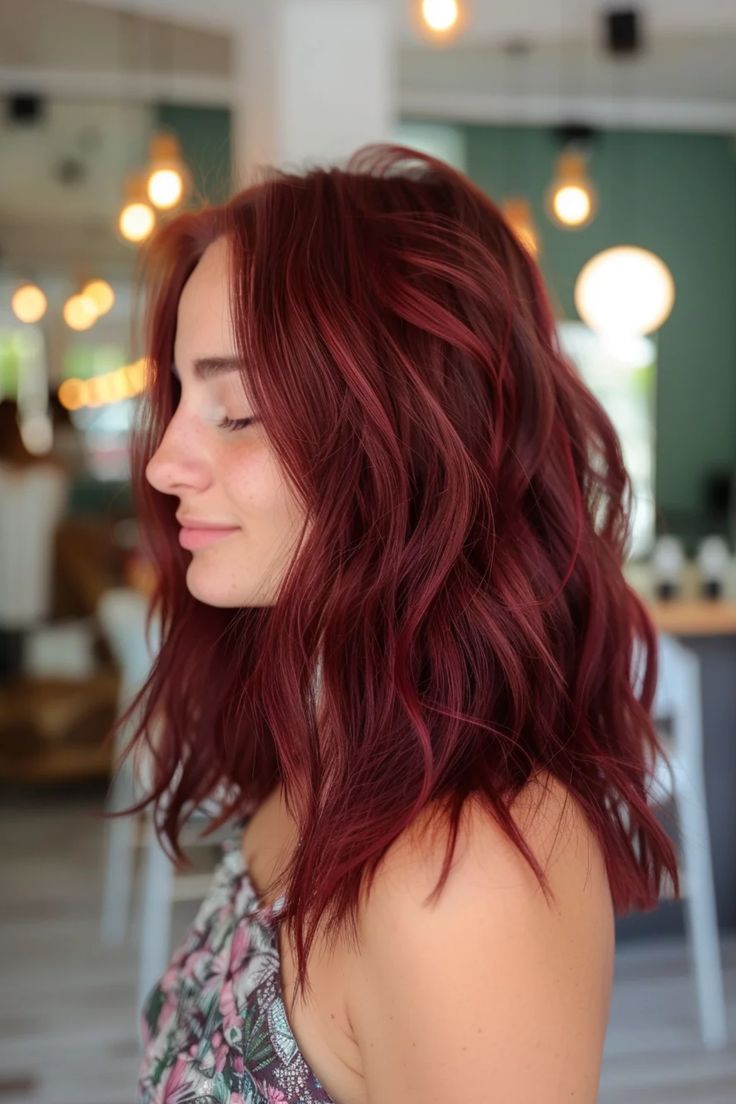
[69,1026]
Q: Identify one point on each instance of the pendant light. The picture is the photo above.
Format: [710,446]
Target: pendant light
[439,17]
[169,180]
[571,199]
[624,291]
[28,303]
[137,217]
[80,312]
[101,294]
[516,207]
[518,213]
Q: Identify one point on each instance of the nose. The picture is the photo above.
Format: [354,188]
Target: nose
[180,461]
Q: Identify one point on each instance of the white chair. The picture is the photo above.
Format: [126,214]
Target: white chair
[160,889]
[121,613]
[33,500]
[32,503]
[678,701]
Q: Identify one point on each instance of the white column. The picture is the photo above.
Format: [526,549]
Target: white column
[313,80]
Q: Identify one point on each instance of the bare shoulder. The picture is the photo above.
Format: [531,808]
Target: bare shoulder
[552,824]
[491,978]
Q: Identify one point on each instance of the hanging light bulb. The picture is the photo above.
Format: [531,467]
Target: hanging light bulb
[80,312]
[168,177]
[137,218]
[571,199]
[440,16]
[624,291]
[137,374]
[70,393]
[518,213]
[28,303]
[102,295]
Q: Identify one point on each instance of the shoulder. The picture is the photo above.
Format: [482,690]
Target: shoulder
[486,861]
[492,984]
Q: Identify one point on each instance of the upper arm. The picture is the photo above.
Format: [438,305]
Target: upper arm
[491,994]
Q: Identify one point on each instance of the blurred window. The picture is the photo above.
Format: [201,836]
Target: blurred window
[621,375]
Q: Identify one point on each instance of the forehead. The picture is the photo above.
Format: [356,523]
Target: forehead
[203,322]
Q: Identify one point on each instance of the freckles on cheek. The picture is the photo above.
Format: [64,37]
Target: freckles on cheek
[251,477]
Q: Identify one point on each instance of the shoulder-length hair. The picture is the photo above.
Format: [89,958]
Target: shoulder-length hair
[458,584]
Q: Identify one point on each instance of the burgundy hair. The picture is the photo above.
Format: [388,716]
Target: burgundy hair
[459,581]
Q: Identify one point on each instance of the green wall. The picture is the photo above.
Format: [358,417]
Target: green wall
[204,135]
[672,193]
[676,195]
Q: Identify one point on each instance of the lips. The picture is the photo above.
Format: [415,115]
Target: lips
[196,534]
[192,523]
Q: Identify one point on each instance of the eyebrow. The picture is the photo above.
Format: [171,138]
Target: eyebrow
[207,367]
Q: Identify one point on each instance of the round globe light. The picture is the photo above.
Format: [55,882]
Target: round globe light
[440,15]
[80,312]
[624,290]
[101,293]
[136,222]
[572,205]
[28,303]
[165,188]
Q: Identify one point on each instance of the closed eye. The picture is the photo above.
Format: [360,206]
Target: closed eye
[235,423]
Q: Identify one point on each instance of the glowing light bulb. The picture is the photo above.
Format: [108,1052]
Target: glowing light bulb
[70,394]
[80,312]
[572,204]
[168,176]
[28,303]
[137,217]
[165,188]
[624,290]
[136,221]
[100,292]
[440,15]
[518,213]
[95,391]
[136,375]
[571,198]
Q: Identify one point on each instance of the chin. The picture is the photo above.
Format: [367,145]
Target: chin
[204,585]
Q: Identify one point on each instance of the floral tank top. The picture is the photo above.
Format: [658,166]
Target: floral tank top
[214,1027]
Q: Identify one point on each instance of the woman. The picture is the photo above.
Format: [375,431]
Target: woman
[389,522]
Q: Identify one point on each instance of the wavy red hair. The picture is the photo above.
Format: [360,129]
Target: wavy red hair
[459,581]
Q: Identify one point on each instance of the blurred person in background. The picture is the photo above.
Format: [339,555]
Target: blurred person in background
[68,443]
[34,491]
[388,523]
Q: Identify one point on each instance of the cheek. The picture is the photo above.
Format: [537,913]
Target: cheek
[256,485]
[250,478]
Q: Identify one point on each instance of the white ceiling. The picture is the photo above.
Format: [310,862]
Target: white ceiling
[133,51]
[102,64]
[486,20]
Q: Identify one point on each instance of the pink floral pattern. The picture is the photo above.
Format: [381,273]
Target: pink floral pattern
[214,1027]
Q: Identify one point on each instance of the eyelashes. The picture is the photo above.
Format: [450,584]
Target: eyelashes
[235,423]
[231,424]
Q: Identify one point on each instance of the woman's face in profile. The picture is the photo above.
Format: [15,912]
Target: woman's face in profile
[223,475]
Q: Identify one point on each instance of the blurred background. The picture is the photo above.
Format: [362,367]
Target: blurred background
[608,135]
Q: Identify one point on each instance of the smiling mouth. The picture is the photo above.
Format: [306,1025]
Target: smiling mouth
[200,538]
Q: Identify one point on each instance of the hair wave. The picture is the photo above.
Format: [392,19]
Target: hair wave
[458,584]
